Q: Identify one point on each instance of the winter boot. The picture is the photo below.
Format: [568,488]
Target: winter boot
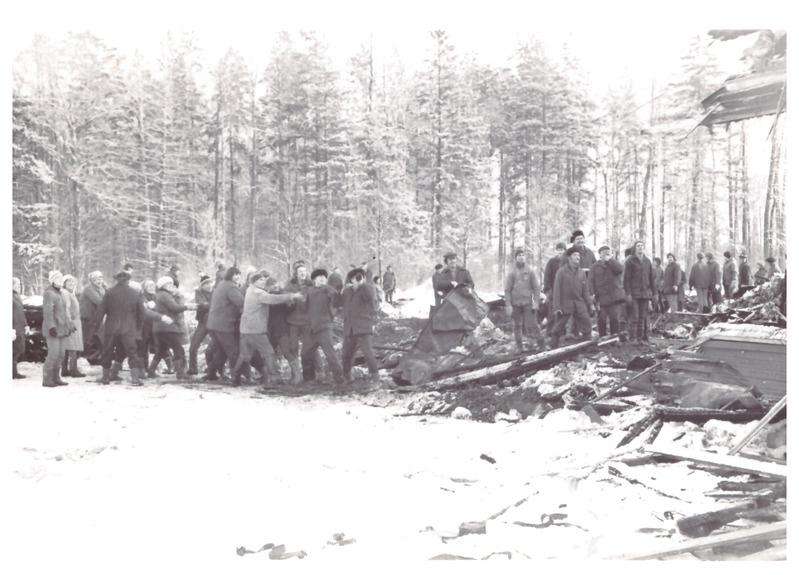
[296,371]
[180,369]
[136,374]
[151,369]
[116,367]
[519,344]
[73,365]
[542,344]
[192,365]
[554,341]
[47,377]
[106,378]
[65,366]
[170,367]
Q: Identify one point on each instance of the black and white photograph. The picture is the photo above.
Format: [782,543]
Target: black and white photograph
[367,286]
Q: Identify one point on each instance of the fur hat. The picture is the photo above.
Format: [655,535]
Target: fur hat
[66,277]
[700,256]
[135,285]
[710,256]
[352,273]
[671,255]
[742,255]
[255,276]
[318,272]
[770,259]
[204,279]
[163,281]
[576,234]
[560,246]
[572,250]
[727,254]
[603,248]
[449,255]
[94,275]
[439,266]
[232,271]
[518,251]
[122,275]
[297,264]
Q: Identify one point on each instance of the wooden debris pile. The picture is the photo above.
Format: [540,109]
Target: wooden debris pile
[763,304]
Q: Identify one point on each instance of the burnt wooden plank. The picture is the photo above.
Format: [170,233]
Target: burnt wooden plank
[728,461]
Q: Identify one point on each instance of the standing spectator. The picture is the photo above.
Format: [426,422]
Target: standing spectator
[437,294]
[74,341]
[771,268]
[681,290]
[170,335]
[223,319]
[174,273]
[658,299]
[699,279]
[522,297]
[672,277]
[20,326]
[728,275]
[254,326]
[639,287]
[359,304]
[89,300]
[452,275]
[607,290]
[587,257]
[322,303]
[56,326]
[377,284]
[570,298]
[714,291]
[202,297]
[744,271]
[123,314]
[389,284]
[553,265]
[335,280]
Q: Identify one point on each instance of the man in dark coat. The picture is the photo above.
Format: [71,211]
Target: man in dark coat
[89,301]
[389,284]
[452,275]
[20,326]
[522,297]
[323,301]
[744,271]
[587,257]
[606,289]
[202,297]
[553,265]
[714,291]
[223,320]
[570,298]
[672,276]
[123,313]
[639,288]
[728,275]
[359,303]
[437,294]
[699,278]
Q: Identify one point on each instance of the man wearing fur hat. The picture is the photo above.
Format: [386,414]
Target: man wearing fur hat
[123,313]
[553,265]
[359,303]
[254,327]
[323,302]
[587,257]
[571,299]
[522,297]
[639,288]
[452,275]
[56,326]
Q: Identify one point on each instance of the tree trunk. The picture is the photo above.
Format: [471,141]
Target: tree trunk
[745,216]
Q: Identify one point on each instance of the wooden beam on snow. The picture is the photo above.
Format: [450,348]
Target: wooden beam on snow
[728,461]
[761,424]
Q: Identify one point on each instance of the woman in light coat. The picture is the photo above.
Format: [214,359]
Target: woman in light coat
[73,343]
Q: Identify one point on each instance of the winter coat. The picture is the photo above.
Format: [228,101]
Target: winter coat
[681,286]
[671,278]
[715,273]
[89,300]
[20,323]
[226,305]
[744,274]
[359,309]
[521,287]
[658,278]
[699,276]
[728,273]
[255,314]
[74,341]
[121,309]
[322,301]
[772,269]
[334,280]
[639,277]
[447,276]
[570,291]
[605,281]
[298,311]
[278,325]
[587,257]
[54,312]
[203,300]
[389,281]
[167,304]
[552,267]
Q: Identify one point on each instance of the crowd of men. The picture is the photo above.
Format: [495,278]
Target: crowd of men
[249,320]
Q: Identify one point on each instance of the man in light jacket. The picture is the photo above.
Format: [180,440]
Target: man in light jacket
[522,297]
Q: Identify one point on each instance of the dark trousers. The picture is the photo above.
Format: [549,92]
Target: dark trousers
[169,341]
[56,349]
[728,291]
[608,314]
[228,342]
[117,347]
[640,327]
[321,339]
[390,296]
[349,346]
[197,339]
[581,319]
[525,323]
[87,325]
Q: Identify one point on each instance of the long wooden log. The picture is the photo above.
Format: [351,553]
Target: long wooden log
[761,424]
[728,461]
[768,532]
[510,369]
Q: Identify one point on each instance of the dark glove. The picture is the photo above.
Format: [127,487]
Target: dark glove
[53,332]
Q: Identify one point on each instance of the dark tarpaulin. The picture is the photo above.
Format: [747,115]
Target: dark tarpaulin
[450,326]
